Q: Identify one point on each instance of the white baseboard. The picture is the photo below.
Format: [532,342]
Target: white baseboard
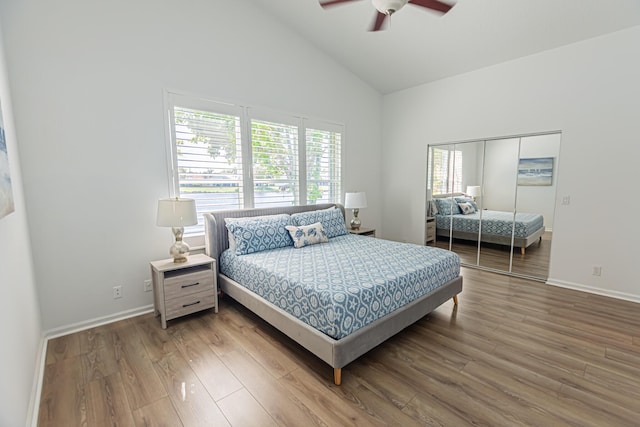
[592,290]
[36,392]
[92,323]
[36,389]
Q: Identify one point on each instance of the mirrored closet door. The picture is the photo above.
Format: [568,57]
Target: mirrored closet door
[492,201]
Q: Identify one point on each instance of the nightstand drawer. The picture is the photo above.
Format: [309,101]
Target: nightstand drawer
[184,288]
[189,304]
[430,230]
[186,284]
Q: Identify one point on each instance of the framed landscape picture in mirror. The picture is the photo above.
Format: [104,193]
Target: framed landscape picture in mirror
[535,171]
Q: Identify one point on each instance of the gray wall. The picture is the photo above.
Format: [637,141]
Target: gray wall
[21,333]
[588,90]
[88,80]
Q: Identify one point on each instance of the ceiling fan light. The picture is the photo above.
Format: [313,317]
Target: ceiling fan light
[388,7]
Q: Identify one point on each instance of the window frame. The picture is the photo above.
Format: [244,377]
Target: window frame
[245,113]
[452,181]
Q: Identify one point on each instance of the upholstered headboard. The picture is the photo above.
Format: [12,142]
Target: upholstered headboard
[216,239]
[444,196]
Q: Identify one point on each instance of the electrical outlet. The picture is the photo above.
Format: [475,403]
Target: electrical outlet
[117,292]
[597,270]
[148,287]
[566,200]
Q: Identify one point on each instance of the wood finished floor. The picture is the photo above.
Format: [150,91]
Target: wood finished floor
[534,263]
[514,352]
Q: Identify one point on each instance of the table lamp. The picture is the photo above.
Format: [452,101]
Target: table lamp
[177,213]
[473,191]
[355,201]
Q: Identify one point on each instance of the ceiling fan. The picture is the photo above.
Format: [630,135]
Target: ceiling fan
[387,8]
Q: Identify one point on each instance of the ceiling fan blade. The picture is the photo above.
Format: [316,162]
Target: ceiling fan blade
[433,5]
[377,24]
[334,2]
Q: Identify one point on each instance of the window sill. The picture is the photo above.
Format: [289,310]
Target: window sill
[195,242]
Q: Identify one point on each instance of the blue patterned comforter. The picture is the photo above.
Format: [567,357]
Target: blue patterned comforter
[493,222]
[340,286]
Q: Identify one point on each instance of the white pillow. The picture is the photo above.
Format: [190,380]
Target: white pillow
[466,208]
[306,235]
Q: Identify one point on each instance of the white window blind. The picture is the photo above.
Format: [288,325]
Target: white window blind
[208,159]
[447,171]
[274,150]
[229,156]
[324,165]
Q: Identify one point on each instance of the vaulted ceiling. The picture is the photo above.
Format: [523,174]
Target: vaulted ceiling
[420,46]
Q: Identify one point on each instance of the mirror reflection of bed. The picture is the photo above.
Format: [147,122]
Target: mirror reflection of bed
[511,184]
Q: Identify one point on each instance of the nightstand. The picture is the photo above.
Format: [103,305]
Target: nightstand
[430,230]
[184,288]
[371,232]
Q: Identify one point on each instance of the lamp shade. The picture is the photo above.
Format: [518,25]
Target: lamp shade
[176,212]
[355,200]
[473,190]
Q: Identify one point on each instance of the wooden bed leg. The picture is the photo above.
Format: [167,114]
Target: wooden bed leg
[455,300]
[337,376]
[522,250]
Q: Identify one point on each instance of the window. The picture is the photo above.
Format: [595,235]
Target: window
[323,153]
[274,150]
[231,157]
[447,171]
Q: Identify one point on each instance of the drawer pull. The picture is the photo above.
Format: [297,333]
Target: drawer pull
[190,304]
[188,286]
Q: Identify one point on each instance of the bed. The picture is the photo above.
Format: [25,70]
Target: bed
[367,317]
[492,226]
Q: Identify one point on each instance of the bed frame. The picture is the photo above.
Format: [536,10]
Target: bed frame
[518,242]
[337,353]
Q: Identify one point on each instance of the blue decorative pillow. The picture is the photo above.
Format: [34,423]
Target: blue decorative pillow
[447,206]
[331,219]
[467,200]
[306,235]
[260,233]
[466,208]
[247,219]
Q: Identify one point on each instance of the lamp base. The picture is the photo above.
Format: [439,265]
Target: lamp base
[179,250]
[355,222]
